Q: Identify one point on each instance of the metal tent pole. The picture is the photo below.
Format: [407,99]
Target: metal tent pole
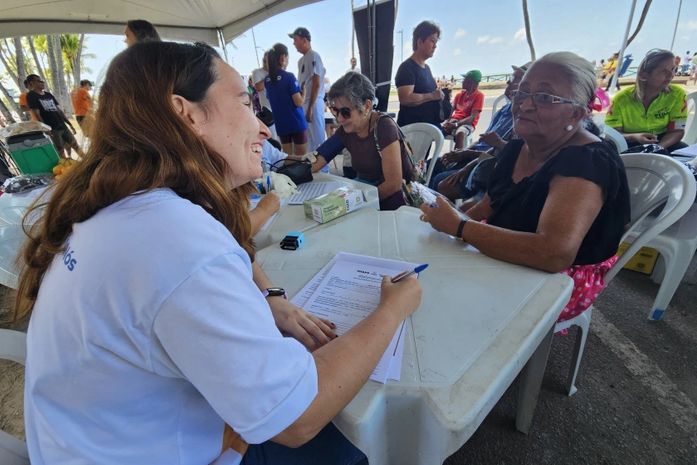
[620,59]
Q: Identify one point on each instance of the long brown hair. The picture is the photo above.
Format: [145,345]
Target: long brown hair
[138,144]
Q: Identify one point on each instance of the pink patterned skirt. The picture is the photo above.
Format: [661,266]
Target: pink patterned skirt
[589,281]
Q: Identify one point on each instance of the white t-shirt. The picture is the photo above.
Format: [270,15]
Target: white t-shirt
[270,155]
[258,75]
[147,335]
[309,65]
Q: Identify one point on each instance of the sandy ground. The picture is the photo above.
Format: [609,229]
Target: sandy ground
[11,376]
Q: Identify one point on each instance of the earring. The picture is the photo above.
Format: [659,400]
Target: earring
[568,127]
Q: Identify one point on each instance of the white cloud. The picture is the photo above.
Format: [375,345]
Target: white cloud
[457,51]
[460,33]
[691,25]
[519,35]
[489,40]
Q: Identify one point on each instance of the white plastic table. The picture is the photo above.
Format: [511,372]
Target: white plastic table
[481,321]
[12,210]
[292,217]
[289,218]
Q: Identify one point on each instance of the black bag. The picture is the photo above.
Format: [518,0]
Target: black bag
[446,107]
[266,116]
[647,148]
[299,171]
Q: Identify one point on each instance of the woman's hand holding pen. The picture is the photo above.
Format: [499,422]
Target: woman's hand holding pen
[402,297]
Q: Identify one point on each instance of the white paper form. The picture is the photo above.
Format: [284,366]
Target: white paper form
[311,190]
[345,291]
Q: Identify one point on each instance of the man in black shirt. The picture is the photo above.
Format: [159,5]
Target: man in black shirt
[419,96]
[45,108]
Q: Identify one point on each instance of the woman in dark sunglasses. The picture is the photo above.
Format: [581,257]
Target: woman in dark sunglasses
[378,152]
[557,199]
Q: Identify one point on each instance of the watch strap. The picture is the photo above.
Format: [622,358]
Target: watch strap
[460,227]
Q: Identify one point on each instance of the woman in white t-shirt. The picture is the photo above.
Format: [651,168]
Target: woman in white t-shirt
[152,329]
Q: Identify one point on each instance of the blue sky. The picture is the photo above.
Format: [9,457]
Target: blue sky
[475,33]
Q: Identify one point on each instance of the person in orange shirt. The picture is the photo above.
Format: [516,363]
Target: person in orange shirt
[23,105]
[82,102]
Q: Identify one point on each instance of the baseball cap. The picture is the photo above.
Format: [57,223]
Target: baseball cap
[475,75]
[522,68]
[300,32]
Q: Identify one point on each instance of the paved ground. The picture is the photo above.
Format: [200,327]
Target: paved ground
[637,395]
[636,402]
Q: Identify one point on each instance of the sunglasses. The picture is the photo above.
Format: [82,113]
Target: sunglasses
[345,112]
[540,98]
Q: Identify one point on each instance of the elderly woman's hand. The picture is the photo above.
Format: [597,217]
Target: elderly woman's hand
[443,217]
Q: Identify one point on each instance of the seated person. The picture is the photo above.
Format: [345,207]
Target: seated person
[652,111]
[378,151]
[467,106]
[180,351]
[492,141]
[558,198]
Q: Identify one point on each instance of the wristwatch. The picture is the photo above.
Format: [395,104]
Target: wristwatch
[274,292]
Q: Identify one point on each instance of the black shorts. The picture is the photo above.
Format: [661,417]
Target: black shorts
[295,137]
[62,137]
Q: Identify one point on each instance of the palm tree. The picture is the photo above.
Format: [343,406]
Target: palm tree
[528,35]
[71,45]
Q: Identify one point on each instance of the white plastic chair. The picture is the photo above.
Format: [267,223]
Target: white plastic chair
[654,180]
[616,138]
[690,136]
[497,101]
[677,245]
[421,136]
[13,346]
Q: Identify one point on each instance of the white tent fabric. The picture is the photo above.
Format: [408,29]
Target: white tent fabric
[203,20]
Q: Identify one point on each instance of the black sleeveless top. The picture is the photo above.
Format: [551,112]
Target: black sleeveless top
[518,206]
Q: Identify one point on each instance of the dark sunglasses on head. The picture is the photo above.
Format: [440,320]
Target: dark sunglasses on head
[345,112]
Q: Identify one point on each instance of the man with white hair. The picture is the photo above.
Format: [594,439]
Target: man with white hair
[311,78]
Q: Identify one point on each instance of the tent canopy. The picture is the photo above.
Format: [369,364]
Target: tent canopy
[201,20]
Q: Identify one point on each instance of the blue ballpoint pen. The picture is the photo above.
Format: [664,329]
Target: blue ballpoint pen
[268,183]
[405,274]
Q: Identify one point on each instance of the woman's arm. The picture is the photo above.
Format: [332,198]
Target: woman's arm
[267,206]
[311,331]
[391,170]
[345,364]
[326,152]
[409,98]
[481,210]
[297,99]
[671,138]
[569,211]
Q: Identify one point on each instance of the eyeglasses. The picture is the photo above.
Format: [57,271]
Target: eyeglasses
[345,112]
[540,98]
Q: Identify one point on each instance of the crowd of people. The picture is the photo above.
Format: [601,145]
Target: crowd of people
[202,351]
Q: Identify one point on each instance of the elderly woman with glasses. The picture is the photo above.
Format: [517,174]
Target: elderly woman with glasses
[653,111]
[558,198]
[378,151]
